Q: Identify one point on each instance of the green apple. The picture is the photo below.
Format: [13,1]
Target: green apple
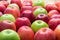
[7,17]
[9,35]
[38,3]
[13,5]
[38,24]
[40,11]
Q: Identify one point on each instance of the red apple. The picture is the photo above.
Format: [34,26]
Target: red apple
[26,33]
[50,7]
[57,32]
[5,3]
[45,34]
[52,12]
[28,14]
[42,17]
[58,5]
[2,8]
[53,23]
[6,24]
[23,21]
[26,8]
[1,14]
[55,16]
[15,12]
[18,2]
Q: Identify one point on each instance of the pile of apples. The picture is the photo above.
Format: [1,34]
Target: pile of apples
[29,20]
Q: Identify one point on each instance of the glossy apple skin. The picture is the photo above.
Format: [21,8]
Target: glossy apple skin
[52,12]
[42,17]
[39,11]
[38,24]
[9,35]
[50,7]
[45,34]
[5,3]
[15,12]
[57,32]
[38,3]
[7,17]
[6,24]
[56,16]
[18,2]
[23,8]
[28,14]
[2,8]
[1,14]
[23,21]
[26,33]
[53,23]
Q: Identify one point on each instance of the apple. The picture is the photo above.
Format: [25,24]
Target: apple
[58,5]
[50,7]
[23,21]
[56,16]
[6,24]
[26,33]
[15,12]
[38,3]
[39,11]
[57,32]
[53,23]
[23,8]
[42,17]
[36,7]
[9,35]
[1,14]
[13,5]
[45,34]
[52,12]
[18,2]
[28,14]
[2,8]
[5,3]
[38,24]
[7,17]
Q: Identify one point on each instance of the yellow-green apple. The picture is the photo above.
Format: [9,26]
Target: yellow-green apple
[9,34]
[15,12]
[52,12]
[23,21]
[38,24]
[13,5]
[39,11]
[55,16]
[18,2]
[7,17]
[50,7]
[38,3]
[26,33]
[53,23]
[6,24]
[42,17]
[57,32]
[45,34]
[28,14]
[2,8]
[5,3]
[23,8]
